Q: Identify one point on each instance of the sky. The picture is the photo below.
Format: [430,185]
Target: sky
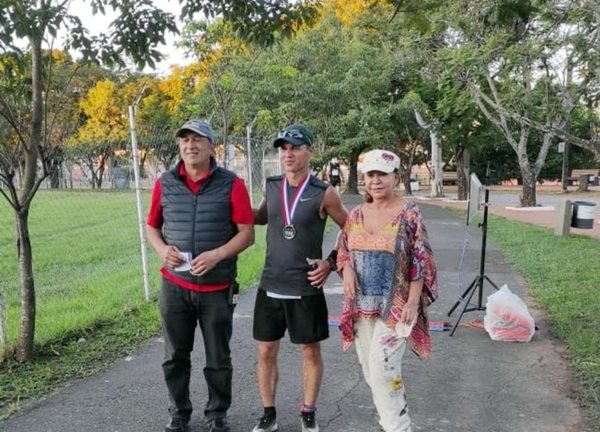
[96,24]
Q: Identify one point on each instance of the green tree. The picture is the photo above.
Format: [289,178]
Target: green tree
[103,131]
[331,77]
[135,33]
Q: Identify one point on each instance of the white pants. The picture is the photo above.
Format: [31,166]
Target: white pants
[380,353]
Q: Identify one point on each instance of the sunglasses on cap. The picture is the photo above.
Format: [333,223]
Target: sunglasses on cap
[291,133]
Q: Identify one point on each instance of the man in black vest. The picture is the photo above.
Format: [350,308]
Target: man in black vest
[188,227]
[295,207]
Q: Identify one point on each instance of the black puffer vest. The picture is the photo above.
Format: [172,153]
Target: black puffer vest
[199,222]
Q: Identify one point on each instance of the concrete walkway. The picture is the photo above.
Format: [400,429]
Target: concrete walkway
[471,384]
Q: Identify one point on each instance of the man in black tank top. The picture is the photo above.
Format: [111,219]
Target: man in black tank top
[295,207]
[335,173]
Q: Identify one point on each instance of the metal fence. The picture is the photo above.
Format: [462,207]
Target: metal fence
[88,232]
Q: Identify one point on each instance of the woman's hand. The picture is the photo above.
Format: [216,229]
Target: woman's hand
[410,311]
[349,282]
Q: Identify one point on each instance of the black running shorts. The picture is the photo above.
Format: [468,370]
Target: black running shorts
[306,319]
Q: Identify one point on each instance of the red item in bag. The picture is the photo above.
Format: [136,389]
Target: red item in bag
[507,317]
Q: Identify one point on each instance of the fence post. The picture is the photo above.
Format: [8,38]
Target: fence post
[138,200]
[3,341]
[563,220]
[249,158]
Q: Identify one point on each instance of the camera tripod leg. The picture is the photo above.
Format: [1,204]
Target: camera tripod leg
[464,294]
[477,283]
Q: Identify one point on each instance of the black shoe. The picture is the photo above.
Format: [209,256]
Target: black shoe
[309,422]
[177,425]
[267,423]
[218,424]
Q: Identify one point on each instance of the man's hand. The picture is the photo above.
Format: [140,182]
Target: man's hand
[319,274]
[171,256]
[206,261]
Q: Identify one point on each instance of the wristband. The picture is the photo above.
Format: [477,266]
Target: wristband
[332,260]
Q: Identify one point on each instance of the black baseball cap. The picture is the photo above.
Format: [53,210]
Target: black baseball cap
[295,134]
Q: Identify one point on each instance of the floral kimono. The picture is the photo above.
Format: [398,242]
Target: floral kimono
[385,263]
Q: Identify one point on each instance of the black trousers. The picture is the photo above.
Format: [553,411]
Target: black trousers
[181,310]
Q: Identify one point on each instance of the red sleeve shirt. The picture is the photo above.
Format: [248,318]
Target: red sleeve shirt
[241,213]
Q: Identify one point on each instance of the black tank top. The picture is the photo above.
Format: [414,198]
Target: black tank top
[285,264]
[334,169]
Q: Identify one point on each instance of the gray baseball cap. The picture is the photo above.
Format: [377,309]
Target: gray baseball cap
[198,126]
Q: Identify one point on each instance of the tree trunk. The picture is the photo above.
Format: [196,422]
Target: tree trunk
[2,324]
[55,175]
[436,154]
[227,160]
[100,175]
[528,189]
[405,177]
[27,330]
[462,171]
[353,174]
[436,163]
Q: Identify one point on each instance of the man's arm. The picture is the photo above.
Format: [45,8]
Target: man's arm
[156,240]
[239,242]
[260,212]
[332,206]
[169,255]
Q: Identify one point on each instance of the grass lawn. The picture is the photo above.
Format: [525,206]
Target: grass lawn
[564,276]
[89,287]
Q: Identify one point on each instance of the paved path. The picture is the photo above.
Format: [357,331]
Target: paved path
[471,384]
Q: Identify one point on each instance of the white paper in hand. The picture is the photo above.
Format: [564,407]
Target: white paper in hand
[185,266]
[403,330]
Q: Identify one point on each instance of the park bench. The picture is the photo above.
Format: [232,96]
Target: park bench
[449,177]
[592,174]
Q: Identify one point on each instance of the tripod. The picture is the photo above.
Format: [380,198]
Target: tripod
[477,284]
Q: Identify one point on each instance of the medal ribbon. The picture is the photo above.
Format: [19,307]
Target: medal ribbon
[287,214]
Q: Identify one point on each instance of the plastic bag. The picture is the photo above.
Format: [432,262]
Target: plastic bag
[507,317]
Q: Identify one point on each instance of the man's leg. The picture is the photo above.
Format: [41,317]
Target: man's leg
[312,369]
[216,323]
[309,309]
[268,329]
[179,322]
[267,371]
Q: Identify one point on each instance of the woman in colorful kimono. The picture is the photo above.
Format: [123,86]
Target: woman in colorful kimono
[389,277]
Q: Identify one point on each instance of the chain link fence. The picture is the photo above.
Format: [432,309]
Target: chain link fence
[85,224]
